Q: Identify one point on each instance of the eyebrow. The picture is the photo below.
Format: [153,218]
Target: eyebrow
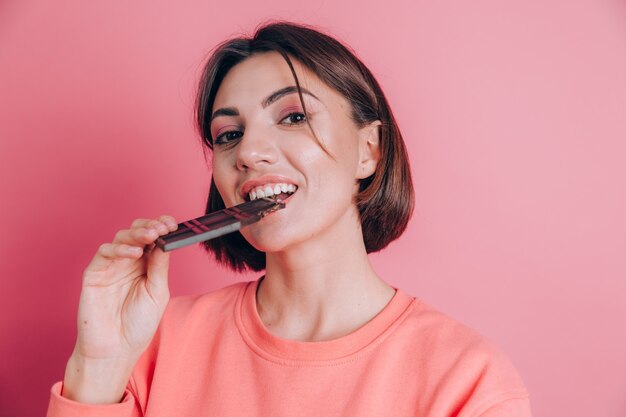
[275,96]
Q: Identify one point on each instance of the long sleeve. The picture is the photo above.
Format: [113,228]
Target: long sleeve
[512,407]
[60,406]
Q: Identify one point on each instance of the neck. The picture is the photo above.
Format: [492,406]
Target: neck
[321,289]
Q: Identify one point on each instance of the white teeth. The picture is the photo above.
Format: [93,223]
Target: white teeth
[269,190]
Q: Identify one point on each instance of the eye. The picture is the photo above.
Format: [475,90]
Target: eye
[227,137]
[294,118]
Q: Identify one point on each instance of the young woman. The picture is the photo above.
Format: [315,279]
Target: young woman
[290,111]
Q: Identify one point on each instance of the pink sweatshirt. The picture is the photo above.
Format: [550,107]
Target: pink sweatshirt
[212,356]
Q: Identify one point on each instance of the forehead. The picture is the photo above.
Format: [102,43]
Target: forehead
[261,74]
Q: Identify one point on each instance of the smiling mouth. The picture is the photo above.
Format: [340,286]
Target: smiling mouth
[278,191]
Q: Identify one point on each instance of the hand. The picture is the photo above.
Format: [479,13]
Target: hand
[124,294]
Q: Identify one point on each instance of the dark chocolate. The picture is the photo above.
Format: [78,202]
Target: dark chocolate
[218,223]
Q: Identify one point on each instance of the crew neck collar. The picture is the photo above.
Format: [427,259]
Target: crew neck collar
[327,352]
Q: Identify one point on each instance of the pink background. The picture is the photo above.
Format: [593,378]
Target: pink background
[514,114]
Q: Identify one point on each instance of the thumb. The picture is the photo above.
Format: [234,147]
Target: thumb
[157,271]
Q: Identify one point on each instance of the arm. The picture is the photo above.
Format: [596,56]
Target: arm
[511,407]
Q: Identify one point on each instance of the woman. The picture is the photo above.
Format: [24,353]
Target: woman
[292,112]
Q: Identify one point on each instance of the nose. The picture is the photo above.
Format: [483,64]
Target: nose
[256,148]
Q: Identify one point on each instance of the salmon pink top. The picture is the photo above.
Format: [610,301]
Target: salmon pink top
[213,356]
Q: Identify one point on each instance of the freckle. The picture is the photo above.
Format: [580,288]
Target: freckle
[85,322]
[77,370]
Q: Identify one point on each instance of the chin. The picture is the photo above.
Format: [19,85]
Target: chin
[267,240]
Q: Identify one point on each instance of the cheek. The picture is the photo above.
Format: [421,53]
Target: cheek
[333,171]
[343,136]
[223,181]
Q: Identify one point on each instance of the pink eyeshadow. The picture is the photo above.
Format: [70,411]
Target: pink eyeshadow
[223,128]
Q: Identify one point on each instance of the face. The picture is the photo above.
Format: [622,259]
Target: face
[262,143]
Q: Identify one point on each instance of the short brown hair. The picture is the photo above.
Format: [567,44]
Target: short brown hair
[385,199]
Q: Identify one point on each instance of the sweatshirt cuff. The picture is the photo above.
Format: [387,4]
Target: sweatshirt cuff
[60,406]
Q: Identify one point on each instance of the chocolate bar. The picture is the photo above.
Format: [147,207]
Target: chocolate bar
[218,223]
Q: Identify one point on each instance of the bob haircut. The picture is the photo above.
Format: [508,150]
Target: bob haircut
[385,199]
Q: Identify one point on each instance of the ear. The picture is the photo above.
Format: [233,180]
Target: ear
[369,149]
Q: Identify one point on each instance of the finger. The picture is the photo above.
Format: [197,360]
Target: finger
[145,231]
[114,251]
[140,236]
[108,252]
[133,242]
[168,221]
[158,265]
[140,223]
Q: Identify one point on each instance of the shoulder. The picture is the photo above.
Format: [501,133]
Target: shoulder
[221,296]
[214,302]
[436,327]
[447,339]
[465,367]
[188,322]
[191,319]
[186,315]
